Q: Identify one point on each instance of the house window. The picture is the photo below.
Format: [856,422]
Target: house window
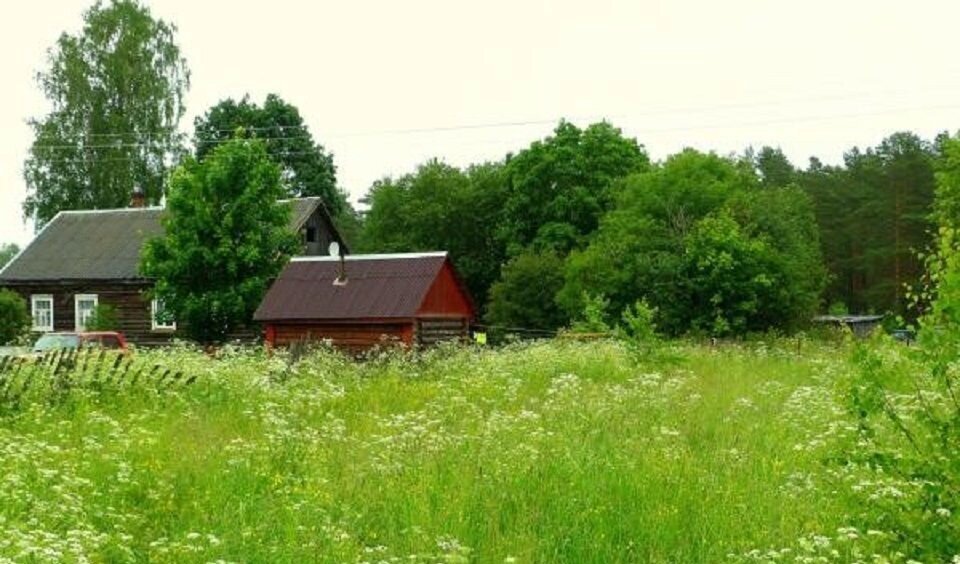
[83,306]
[311,234]
[158,322]
[41,308]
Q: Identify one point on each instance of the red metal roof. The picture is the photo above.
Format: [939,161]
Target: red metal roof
[378,287]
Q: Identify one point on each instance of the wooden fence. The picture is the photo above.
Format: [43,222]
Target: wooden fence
[51,376]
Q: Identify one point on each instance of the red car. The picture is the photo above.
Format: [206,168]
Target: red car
[110,340]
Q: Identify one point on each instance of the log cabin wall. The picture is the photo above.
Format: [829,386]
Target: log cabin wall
[133,307]
[352,336]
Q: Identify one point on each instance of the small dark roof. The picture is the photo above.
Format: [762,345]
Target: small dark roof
[103,244]
[378,287]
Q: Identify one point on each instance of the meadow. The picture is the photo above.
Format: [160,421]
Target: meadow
[540,452]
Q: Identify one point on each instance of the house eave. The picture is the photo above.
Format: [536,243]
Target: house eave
[74,281]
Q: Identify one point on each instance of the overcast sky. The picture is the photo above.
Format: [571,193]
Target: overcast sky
[814,77]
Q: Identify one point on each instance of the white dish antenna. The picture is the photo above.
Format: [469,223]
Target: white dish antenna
[334,249]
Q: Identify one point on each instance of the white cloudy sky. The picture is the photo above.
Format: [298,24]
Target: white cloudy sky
[812,76]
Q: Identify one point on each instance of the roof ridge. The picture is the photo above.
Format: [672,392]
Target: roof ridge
[113,210]
[371,256]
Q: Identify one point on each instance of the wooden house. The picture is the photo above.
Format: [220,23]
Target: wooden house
[81,259]
[360,301]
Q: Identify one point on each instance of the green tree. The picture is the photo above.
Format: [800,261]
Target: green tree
[874,217]
[524,296]
[226,239]
[117,94]
[947,207]
[834,201]
[7,252]
[442,207]
[731,280]
[307,168]
[703,244]
[14,317]
[561,186]
[774,168]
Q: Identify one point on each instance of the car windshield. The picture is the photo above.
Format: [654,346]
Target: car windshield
[51,342]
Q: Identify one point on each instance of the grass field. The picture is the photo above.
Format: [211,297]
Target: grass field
[551,452]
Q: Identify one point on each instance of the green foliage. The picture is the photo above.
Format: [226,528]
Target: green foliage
[105,317]
[14,316]
[561,186]
[699,240]
[7,252]
[226,239]
[116,91]
[947,204]
[638,321]
[907,404]
[838,308]
[774,168]
[873,215]
[524,295]
[731,279]
[307,169]
[440,207]
[593,318]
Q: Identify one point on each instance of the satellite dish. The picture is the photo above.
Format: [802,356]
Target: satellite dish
[334,249]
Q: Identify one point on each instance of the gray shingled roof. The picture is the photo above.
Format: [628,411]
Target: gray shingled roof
[102,244]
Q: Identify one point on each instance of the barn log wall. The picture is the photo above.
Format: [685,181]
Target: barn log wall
[354,336]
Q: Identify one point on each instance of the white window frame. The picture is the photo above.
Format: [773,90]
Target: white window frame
[77,298]
[34,300]
[157,325]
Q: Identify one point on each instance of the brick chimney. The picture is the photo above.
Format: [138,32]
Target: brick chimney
[138,199]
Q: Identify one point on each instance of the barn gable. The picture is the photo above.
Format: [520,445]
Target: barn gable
[446,295]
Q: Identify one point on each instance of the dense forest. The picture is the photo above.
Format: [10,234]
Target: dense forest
[717,244]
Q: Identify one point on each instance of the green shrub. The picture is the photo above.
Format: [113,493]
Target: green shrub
[14,317]
[593,317]
[907,405]
[104,318]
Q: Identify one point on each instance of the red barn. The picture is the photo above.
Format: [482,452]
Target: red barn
[364,300]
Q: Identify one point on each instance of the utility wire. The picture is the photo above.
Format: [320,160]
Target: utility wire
[520,123]
[755,123]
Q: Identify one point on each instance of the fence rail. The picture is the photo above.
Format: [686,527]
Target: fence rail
[51,376]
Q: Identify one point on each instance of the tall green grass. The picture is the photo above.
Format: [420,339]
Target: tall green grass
[550,452]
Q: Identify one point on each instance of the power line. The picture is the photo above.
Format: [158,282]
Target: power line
[124,159]
[158,145]
[519,123]
[755,123]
